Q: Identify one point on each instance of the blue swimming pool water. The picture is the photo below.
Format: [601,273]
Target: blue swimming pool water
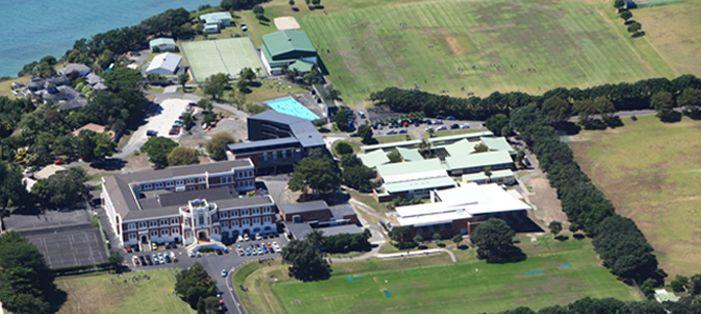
[290,106]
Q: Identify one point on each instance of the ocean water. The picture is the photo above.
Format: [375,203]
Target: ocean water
[31,29]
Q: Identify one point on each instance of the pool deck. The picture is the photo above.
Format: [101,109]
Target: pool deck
[290,105]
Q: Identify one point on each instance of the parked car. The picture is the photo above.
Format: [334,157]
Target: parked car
[224,272]
[151,133]
[465,126]
[402,131]
[454,126]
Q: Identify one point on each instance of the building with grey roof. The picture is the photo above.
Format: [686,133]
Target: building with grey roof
[301,218]
[187,204]
[277,141]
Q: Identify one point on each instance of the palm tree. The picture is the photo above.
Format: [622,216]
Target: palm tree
[488,173]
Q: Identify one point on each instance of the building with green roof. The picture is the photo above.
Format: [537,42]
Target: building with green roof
[498,160]
[288,48]
[374,158]
[413,178]
[162,44]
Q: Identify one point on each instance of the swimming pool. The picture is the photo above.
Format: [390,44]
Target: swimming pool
[290,106]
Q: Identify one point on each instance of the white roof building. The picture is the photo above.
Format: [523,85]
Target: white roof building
[164,64]
[459,203]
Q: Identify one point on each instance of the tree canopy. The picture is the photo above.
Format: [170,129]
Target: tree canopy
[158,148]
[217,146]
[306,260]
[182,155]
[494,240]
[64,189]
[316,174]
[193,285]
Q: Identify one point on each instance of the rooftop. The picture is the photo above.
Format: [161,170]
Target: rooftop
[374,159]
[433,140]
[409,154]
[297,208]
[215,17]
[480,176]
[478,160]
[497,143]
[161,41]
[303,130]
[459,203]
[285,41]
[167,61]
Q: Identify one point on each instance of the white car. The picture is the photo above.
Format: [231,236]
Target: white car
[224,272]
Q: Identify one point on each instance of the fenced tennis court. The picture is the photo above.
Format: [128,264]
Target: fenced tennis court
[229,56]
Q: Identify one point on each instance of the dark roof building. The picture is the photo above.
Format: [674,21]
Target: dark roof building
[302,218]
[277,141]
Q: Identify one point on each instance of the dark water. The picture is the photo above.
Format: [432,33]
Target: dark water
[31,29]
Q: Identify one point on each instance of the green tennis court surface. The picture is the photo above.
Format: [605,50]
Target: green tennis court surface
[229,56]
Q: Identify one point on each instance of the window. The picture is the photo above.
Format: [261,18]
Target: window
[132,236]
[131,226]
[159,185]
[142,224]
[174,220]
[154,233]
[224,214]
[174,231]
[200,220]
[234,213]
[153,223]
[189,181]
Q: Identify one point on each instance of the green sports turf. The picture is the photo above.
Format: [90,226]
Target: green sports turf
[467,287]
[477,46]
[229,56]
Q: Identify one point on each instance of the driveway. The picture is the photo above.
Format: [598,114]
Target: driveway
[171,106]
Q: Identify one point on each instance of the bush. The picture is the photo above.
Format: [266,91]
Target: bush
[343,148]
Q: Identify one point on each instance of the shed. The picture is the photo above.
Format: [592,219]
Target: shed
[161,44]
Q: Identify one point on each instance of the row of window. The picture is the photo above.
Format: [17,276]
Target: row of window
[246,222]
[157,232]
[153,223]
[280,154]
[223,214]
[245,212]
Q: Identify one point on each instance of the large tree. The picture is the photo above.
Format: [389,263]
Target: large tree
[306,261]
[95,146]
[664,103]
[12,190]
[194,284]
[217,146]
[157,149]
[182,155]
[498,124]
[64,189]
[494,240]
[316,174]
[366,134]
[690,100]
[359,177]
[215,85]
[556,109]
[26,283]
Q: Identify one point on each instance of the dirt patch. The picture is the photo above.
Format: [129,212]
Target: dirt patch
[453,44]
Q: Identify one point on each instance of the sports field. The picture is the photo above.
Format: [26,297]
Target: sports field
[477,46]
[675,31]
[151,292]
[651,171]
[554,273]
[229,56]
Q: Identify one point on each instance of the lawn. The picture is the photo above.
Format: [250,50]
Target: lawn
[476,46]
[554,273]
[6,86]
[651,171]
[673,30]
[108,293]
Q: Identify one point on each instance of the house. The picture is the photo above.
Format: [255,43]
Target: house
[288,49]
[187,204]
[164,64]
[94,128]
[302,218]
[459,210]
[162,44]
[95,81]
[215,21]
[277,141]
[74,70]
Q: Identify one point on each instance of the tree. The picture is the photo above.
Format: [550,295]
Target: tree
[238,5]
[418,238]
[690,100]
[619,4]
[694,285]
[350,160]
[25,280]
[157,149]
[182,155]
[626,15]
[215,85]
[12,190]
[359,177]
[208,305]
[634,27]
[663,102]
[63,189]
[291,2]
[315,174]
[556,109]
[481,148]
[306,261]
[497,124]
[457,238]
[247,74]
[342,119]
[95,146]
[648,287]
[343,148]
[394,156]
[436,236]
[217,146]
[194,284]
[488,172]
[188,121]
[494,240]
[365,132]
[116,259]
[182,79]
[679,283]
[555,227]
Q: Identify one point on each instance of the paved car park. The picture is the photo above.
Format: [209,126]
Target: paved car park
[219,265]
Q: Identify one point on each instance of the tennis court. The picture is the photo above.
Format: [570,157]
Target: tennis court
[229,56]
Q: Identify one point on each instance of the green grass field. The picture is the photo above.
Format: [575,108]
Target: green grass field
[673,30]
[433,284]
[108,293]
[477,46]
[230,56]
[651,171]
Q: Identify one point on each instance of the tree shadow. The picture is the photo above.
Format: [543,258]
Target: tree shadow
[108,164]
